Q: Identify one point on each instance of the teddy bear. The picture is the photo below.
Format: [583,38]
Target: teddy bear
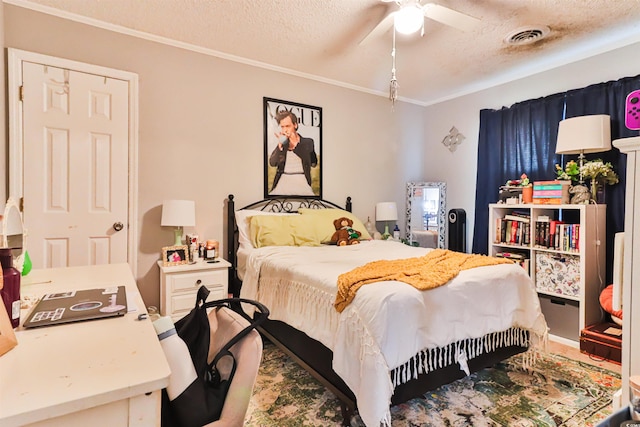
[344,234]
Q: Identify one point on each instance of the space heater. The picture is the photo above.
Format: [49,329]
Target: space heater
[457,230]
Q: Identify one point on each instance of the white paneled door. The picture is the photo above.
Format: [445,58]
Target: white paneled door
[75,166]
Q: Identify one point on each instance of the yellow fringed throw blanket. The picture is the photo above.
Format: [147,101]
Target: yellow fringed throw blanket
[426,272]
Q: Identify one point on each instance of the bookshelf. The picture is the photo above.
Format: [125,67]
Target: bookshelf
[563,249]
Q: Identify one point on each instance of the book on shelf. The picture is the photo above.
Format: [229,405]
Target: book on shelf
[569,239]
[543,187]
[551,192]
[503,232]
[547,201]
[542,233]
[515,232]
[511,255]
[556,234]
[515,217]
[554,182]
[521,214]
[547,193]
[554,231]
[521,259]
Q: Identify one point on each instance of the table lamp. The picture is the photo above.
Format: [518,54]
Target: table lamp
[386,211]
[179,214]
[584,134]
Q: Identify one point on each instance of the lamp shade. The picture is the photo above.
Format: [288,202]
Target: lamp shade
[178,213]
[584,134]
[386,211]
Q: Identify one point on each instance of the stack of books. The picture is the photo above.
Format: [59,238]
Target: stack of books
[520,258]
[551,192]
[513,229]
[554,234]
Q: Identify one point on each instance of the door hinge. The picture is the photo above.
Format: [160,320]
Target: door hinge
[21,93]
[22,204]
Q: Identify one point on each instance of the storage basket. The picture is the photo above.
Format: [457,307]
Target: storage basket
[558,274]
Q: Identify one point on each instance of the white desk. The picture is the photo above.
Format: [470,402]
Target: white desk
[105,372]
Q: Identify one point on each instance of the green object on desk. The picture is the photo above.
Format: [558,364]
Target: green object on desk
[27,265]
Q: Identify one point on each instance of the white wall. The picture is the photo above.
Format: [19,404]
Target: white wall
[459,168]
[201,129]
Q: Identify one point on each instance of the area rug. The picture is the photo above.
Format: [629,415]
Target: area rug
[556,392]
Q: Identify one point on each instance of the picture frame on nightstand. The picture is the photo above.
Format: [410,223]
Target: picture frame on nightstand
[175,255]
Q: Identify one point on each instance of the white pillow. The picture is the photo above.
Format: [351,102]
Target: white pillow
[243,220]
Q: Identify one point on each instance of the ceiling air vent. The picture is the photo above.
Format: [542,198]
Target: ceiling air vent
[526,35]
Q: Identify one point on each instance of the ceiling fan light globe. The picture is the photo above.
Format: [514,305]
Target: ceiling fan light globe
[409,19]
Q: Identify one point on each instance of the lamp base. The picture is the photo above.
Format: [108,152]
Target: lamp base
[386,234]
[178,234]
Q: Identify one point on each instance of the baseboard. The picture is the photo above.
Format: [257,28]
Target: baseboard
[616,400]
[565,341]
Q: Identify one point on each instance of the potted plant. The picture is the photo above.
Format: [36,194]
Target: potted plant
[524,185]
[599,173]
[571,172]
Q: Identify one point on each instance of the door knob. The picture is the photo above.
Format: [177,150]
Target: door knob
[118,226]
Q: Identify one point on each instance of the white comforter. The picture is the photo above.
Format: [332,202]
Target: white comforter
[388,322]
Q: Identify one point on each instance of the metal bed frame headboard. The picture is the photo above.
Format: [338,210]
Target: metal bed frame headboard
[277,204]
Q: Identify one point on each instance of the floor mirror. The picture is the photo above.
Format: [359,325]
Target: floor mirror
[426,214]
[11,228]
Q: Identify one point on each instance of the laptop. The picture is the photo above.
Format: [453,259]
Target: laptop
[75,306]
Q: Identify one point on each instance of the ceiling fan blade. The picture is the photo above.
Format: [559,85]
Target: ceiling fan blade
[450,17]
[383,26]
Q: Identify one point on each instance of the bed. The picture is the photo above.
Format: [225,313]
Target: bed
[392,342]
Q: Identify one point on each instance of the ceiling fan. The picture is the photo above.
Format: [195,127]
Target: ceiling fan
[409,18]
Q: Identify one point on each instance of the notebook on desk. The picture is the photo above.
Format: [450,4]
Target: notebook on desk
[75,306]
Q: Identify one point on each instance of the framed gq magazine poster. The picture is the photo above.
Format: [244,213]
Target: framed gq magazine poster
[292,149]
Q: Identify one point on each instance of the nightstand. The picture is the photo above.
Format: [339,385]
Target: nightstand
[179,285]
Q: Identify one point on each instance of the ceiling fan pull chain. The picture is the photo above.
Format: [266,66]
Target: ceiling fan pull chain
[393,85]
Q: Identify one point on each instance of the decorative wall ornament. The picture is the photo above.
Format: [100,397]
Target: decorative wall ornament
[453,139]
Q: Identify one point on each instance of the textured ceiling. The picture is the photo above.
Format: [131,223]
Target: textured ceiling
[320,38]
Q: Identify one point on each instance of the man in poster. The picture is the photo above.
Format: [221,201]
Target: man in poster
[293,157]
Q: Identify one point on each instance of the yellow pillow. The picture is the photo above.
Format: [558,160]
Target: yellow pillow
[287,230]
[323,222]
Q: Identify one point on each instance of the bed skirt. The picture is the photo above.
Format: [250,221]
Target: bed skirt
[427,371]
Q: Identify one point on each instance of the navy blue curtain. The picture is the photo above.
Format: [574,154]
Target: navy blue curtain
[512,141]
[522,139]
[608,98]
